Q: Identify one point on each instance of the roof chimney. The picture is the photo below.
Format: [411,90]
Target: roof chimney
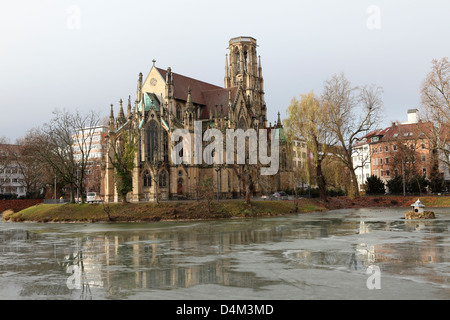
[413,116]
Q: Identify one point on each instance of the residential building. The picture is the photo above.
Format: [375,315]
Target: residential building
[91,140]
[11,179]
[403,149]
[361,160]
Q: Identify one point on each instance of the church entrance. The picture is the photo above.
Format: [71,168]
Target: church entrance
[180,187]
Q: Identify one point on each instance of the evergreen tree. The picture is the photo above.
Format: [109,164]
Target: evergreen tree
[395,185]
[374,185]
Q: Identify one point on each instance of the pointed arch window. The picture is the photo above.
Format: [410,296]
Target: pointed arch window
[245,61]
[283,159]
[241,124]
[163,179]
[152,141]
[147,179]
[179,112]
[238,62]
[166,145]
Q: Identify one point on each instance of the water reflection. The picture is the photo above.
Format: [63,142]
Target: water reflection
[119,261]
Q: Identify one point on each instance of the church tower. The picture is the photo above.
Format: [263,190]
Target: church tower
[245,70]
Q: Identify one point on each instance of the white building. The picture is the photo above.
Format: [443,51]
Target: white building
[361,161]
[92,140]
[11,179]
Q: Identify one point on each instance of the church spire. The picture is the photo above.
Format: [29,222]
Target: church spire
[139,90]
[129,106]
[227,73]
[259,68]
[121,116]
[111,119]
[189,104]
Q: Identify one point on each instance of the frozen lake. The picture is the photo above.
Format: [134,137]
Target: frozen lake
[342,254]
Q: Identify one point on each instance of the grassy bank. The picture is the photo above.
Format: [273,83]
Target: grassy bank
[189,210]
[192,210]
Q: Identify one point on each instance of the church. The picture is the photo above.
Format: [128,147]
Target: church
[167,101]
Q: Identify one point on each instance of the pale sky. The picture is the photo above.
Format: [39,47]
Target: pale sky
[79,54]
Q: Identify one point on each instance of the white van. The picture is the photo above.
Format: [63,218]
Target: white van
[92,197]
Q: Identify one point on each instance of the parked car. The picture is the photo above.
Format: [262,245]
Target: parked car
[280,195]
[93,197]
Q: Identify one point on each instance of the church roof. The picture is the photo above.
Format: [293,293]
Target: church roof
[183,83]
[150,100]
[217,98]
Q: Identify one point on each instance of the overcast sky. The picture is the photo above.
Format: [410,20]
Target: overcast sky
[80,54]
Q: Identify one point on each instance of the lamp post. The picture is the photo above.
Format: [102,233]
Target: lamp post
[217,181]
[55,188]
[403,177]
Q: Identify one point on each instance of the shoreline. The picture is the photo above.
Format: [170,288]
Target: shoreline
[172,211]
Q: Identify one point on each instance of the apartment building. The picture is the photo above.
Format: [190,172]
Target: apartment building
[11,179]
[361,159]
[92,140]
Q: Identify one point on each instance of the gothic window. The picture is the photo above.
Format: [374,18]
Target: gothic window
[238,62]
[163,179]
[166,145]
[242,124]
[147,179]
[245,61]
[283,158]
[152,141]
[179,112]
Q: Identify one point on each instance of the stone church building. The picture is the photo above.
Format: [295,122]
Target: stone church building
[167,101]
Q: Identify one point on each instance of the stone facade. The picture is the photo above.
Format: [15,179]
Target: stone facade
[167,101]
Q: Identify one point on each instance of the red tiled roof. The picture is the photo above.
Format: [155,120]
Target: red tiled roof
[217,98]
[408,131]
[182,84]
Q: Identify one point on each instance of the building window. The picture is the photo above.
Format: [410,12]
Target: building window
[387,173]
[152,141]
[178,112]
[147,179]
[163,179]
[423,146]
[424,171]
[381,161]
[166,145]
[394,148]
[386,160]
[386,148]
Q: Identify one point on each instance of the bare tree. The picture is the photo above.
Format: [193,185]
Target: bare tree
[352,111]
[34,173]
[65,144]
[435,107]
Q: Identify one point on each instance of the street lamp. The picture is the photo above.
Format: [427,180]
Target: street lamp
[217,181]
